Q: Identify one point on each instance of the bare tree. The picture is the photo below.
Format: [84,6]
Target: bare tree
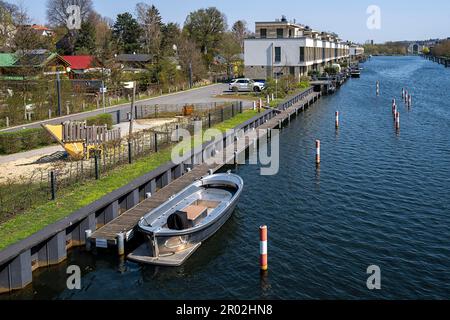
[57,14]
[25,38]
[8,17]
[240,31]
[190,56]
[151,23]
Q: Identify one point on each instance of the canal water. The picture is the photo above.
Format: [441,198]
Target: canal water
[379,198]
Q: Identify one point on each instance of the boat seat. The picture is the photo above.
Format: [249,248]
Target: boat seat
[195,212]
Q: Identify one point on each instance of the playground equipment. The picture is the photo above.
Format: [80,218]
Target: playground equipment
[80,140]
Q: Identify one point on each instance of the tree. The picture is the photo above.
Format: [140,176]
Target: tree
[85,42]
[127,32]
[240,31]
[150,21]
[229,50]
[171,35]
[57,14]
[190,55]
[441,49]
[206,27]
[26,38]
[8,16]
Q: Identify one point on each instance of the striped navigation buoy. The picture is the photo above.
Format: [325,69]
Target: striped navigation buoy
[263,248]
[397,121]
[317,151]
[337,119]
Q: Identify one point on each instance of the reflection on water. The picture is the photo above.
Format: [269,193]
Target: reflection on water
[378,197]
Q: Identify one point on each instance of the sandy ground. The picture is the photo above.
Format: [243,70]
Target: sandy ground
[23,165]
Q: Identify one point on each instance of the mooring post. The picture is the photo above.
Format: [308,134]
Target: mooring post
[337,119]
[397,121]
[97,175]
[263,260]
[209,119]
[130,145]
[317,152]
[156,142]
[120,244]
[88,234]
[53,185]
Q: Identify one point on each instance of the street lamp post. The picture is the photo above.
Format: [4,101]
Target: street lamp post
[103,96]
[131,85]
[58,92]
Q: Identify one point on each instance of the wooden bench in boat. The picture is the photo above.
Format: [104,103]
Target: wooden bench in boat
[196,212]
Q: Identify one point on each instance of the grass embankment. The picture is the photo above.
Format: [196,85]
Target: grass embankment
[80,195]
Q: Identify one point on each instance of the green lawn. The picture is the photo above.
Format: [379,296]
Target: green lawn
[25,224]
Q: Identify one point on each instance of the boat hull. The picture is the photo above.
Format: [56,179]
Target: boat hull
[220,193]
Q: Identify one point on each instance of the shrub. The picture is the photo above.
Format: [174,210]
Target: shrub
[24,140]
[100,120]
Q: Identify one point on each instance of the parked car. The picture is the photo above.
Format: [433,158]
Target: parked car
[245,84]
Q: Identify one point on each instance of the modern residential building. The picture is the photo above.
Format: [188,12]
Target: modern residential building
[356,51]
[286,48]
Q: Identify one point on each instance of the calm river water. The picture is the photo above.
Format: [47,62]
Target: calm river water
[379,198]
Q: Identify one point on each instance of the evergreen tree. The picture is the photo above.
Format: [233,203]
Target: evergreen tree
[127,32]
[85,42]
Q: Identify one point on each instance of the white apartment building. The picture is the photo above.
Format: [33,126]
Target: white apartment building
[287,48]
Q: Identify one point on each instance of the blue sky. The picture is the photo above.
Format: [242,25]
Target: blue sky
[400,19]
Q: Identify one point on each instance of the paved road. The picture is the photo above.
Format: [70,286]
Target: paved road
[204,94]
[30,154]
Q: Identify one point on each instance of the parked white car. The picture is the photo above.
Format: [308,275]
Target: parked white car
[245,84]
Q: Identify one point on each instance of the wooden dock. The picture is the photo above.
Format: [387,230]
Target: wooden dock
[127,222]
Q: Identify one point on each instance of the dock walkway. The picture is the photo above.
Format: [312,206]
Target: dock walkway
[127,222]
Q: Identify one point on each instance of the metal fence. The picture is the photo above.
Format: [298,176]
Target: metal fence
[25,101]
[19,194]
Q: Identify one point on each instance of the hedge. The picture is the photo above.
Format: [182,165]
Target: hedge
[24,140]
[100,120]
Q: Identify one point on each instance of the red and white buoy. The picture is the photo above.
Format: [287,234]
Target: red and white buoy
[263,248]
[397,121]
[337,119]
[317,151]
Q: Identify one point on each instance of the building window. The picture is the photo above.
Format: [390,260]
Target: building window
[302,54]
[280,33]
[263,33]
[277,54]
